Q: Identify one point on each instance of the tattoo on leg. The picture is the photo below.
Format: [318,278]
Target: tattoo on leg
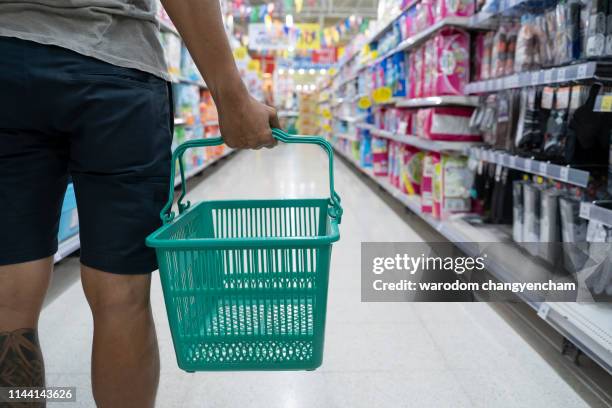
[21,362]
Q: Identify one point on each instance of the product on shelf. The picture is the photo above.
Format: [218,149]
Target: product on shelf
[452,180]
[69,219]
[172,46]
[447,123]
[380,156]
[429,162]
[411,169]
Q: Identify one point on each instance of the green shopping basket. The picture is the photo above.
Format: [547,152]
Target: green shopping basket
[245,282]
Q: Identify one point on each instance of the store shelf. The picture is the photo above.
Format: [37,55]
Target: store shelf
[349,119]
[179,121]
[565,174]
[190,173]
[211,123]
[67,247]
[289,114]
[347,136]
[426,144]
[596,213]
[587,325]
[363,125]
[456,100]
[549,76]
[415,40]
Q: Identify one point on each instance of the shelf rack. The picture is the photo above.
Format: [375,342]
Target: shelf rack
[425,144]
[456,100]
[208,163]
[587,325]
[67,247]
[569,73]
[565,174]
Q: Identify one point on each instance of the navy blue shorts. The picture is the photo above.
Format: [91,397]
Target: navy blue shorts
[109,128]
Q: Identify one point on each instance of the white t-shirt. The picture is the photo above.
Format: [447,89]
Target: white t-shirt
[120,32]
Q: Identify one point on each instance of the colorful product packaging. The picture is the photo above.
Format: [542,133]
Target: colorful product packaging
[429,162]
[454,8]
[452,53]
[380,156]
[411,170]
[447,123]
[452,180]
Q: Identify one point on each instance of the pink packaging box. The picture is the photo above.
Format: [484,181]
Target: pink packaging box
[447,123]
[452,53]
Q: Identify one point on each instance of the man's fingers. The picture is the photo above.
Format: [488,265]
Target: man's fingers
[273,118]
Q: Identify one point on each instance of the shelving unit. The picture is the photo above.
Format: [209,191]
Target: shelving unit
[550,76]
[436,101]
[190,173]
[66,248]
[425,144]
[565,174]
[588,326]
[417,39]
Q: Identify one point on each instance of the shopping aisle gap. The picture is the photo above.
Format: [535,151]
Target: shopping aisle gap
[376,354]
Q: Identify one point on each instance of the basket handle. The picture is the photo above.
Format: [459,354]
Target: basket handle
[167,215]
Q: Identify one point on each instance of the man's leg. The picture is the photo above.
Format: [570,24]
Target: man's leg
[22,291]
[125,360]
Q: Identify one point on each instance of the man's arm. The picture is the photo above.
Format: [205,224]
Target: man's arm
[244,122]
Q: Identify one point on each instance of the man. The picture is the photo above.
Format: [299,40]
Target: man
[83,93]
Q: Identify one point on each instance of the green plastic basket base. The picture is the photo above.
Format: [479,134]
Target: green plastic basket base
[249,334]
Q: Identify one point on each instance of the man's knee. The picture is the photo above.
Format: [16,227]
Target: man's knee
[22,292]
[115,295]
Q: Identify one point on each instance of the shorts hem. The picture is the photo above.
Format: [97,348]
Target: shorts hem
[119,266]
[12,258]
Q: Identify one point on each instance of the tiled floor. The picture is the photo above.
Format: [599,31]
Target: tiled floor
[376,355]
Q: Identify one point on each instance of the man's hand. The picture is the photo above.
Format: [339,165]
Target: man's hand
[246,123]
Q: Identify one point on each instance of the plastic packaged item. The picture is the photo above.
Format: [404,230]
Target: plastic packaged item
[424,17]
[531,226]
[573,232]
[365,152]
[411,170]
[550,225]
[511,37]
[530,131]
[451,185]
[518,210]
[454,8]
[478,45]
[429,162]
[452,53]
[555,138]
[380,156]
[527,56]
[486,71]
[430,71]
[499,52]
[172,46]
[447,123]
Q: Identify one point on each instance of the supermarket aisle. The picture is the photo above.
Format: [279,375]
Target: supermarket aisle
[377,355]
